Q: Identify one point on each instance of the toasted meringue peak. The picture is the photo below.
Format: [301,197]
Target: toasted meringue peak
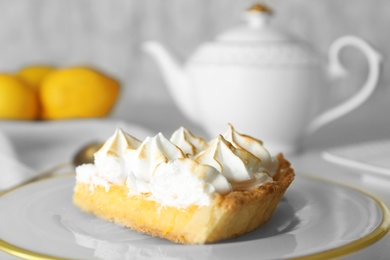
[118,143]
[152,152]
[109,159]
[188,142]
[237,165]
[254,146]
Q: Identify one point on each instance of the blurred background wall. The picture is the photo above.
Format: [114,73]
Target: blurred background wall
[108,35]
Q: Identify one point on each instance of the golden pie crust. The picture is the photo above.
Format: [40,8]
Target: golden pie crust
[227,216]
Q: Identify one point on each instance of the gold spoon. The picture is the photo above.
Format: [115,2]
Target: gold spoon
[86,154]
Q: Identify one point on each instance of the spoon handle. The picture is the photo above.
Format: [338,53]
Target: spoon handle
[58,169]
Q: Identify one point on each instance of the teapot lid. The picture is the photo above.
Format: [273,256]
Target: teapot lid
[256,29]
[255,43]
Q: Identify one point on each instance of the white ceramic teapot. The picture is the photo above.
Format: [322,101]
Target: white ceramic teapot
[260,80]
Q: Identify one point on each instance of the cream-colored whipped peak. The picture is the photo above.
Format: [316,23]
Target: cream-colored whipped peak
[188,143]
[142,162]
[239,166]
[109,160]
[255,147]
[118,143]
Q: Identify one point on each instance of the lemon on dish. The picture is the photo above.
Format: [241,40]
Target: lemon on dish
[34,74]
[77,92]
[18,99]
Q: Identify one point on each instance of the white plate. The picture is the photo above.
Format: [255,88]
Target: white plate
[372,157]
[315,219]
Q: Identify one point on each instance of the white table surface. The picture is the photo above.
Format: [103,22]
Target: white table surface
[370,122]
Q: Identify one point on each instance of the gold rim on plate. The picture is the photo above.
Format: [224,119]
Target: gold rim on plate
[343,250]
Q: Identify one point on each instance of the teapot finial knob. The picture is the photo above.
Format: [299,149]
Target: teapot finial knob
[258,15]
[260,8]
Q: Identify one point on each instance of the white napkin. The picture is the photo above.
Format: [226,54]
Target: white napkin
[28,149]
[13,171]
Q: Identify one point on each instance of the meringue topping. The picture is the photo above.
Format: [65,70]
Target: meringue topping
[182,171]
[109,160]
[255,147]
[240,167]
[189,143]
[182,182]
[152,152]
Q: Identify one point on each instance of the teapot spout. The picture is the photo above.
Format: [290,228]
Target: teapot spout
[175,78]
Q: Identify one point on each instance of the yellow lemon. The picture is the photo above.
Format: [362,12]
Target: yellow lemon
[18,100]
[77,92]
[34,75]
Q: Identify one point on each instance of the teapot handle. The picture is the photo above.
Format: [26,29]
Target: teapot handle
[336,68]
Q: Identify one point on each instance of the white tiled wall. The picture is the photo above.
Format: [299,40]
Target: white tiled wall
[108,34]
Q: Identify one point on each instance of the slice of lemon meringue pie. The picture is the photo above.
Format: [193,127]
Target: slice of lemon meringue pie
[183,188]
